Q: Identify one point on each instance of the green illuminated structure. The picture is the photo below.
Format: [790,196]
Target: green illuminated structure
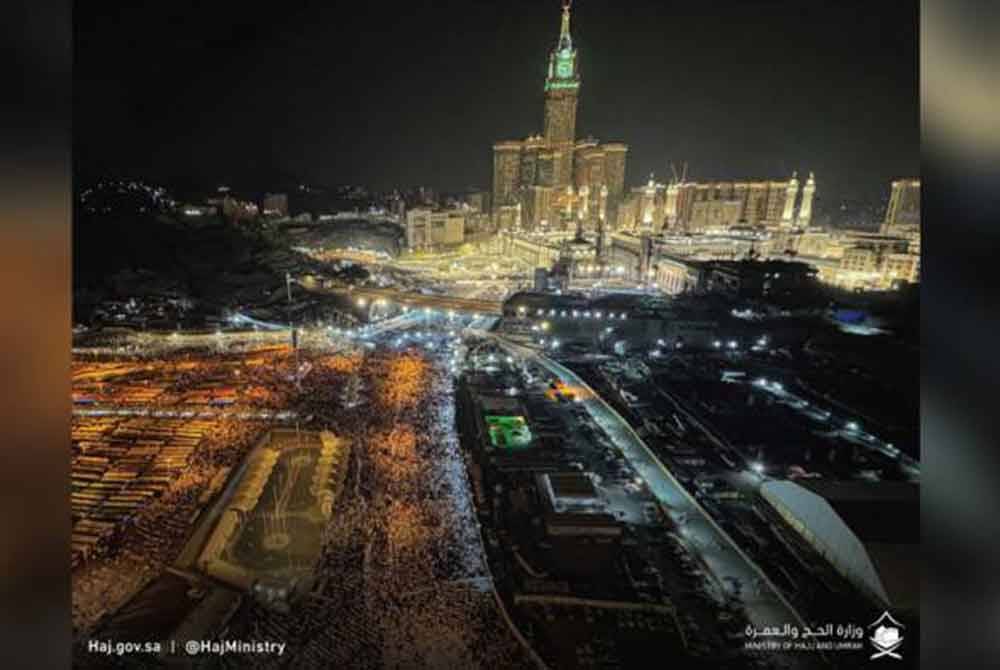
[562,60]
[508,432]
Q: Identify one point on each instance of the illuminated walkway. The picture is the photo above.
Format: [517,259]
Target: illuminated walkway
[436,302]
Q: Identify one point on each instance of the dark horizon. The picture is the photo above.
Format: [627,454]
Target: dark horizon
[416,95]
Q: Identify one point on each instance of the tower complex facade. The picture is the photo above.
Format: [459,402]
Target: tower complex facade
[553,180]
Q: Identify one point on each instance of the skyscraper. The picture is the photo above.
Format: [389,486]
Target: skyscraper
[561,96]
[506,173]
[559,181]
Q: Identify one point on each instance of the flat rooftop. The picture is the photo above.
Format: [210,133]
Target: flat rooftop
[508,432]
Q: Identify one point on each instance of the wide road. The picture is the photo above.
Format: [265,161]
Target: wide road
[397,297]
[764,604]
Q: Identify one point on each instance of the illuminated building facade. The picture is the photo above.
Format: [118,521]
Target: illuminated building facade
[903,214]
[848,259]
[804,219]
[695,207]
[559,181]
[427,229]
[274,204]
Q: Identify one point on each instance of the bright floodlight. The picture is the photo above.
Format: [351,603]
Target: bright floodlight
[758,468]
[852,425]
[717,344]
[732,344]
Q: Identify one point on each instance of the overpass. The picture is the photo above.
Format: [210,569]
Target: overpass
[417,300]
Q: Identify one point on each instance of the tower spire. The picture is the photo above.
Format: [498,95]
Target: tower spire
[565,41]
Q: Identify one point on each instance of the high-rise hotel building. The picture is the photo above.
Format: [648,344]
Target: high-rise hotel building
[554,180]
[694,207]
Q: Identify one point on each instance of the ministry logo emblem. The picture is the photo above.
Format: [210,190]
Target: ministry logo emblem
[886,638]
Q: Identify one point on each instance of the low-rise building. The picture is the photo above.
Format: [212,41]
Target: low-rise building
[429,229]
[274,204]
[580,537]
[757,279]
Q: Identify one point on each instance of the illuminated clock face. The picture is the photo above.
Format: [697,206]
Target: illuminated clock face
[564,68]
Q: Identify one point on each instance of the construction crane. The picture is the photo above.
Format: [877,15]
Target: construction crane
[682,177]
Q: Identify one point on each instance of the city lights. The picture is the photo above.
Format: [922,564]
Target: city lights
[495,420]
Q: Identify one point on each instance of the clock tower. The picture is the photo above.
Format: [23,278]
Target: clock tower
[561,90]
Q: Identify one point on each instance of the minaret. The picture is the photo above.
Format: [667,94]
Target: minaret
[601,213]
[670,210]
[561,91]
[648,203]
[791,193]
[569,201]
[806,208]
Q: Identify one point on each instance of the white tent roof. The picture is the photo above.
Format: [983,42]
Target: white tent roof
[815,519]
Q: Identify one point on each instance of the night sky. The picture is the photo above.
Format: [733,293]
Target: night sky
[404,94]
